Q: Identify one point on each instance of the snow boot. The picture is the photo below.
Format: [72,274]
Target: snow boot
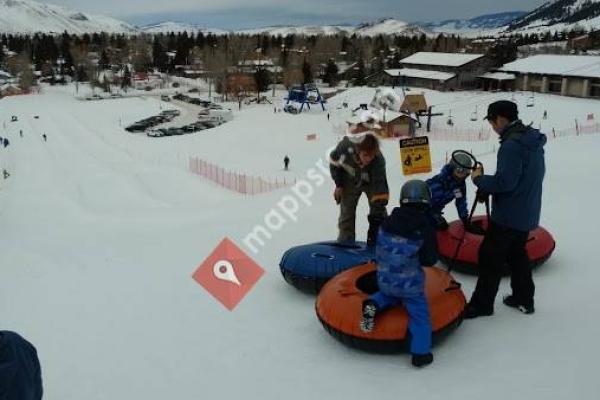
[421,360]
[369,310]
[510,301]
[473,311]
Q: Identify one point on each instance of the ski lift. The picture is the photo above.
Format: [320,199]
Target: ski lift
[531,101]
[474,115]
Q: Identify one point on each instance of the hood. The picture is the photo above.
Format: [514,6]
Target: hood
[524,135]
[406,221]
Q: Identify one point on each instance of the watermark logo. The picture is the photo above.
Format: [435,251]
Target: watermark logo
[228,274]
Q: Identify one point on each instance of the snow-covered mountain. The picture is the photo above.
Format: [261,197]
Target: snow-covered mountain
[475,26]
[388,26]
[560,15]
[26,16]
[180,27]
[298,30]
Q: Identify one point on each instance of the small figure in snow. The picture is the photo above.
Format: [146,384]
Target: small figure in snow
[405,245]
[44,137]
[545,114]
[5,142]
[21,132]
[286,163]
[327,116]
[5,173]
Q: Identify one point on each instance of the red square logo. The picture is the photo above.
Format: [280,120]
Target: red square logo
[228,274]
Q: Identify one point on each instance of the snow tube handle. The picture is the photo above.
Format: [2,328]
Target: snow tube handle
[454,285]
[322,255]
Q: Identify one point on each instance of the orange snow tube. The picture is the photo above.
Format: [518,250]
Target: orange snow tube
[339,308]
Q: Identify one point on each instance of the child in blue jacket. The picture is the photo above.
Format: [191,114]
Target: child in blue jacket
[406,242]
[447,186]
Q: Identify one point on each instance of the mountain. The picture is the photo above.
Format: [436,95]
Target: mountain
[558,16]
[297,30]
[26,16]
[388,26]
[477,26]
[180,27]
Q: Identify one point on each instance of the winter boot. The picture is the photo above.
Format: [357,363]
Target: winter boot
[374,224]
[421,360]
[474,311]
[510,301]
[369,310]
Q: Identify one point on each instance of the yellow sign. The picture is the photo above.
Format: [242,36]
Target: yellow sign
[415,155]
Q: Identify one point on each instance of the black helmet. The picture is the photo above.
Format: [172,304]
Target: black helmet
[415,192]
[461,162]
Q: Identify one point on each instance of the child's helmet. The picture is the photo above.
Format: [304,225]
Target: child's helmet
[415,192]
[461,163]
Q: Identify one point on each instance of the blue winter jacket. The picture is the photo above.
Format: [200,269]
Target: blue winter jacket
[405,243]
[20,373]
[516,188]
[445,188]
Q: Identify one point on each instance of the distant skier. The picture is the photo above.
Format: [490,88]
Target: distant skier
[21,132]
[5,142]
[286,162]
[5,173]
[45,137]
[327,116]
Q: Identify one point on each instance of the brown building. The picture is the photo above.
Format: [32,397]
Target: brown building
[565,75]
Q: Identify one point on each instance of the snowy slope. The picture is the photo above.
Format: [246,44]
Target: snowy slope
[483,25]
[560,15]
[27,16]
[101,231]
[388,26]
[180,27]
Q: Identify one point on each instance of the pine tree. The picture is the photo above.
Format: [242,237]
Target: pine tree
[126,81]
[307,72]
[331,73]
[359,74]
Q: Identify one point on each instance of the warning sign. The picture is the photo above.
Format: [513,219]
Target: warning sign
[415,155]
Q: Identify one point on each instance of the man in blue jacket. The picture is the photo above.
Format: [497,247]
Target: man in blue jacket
[516,190]
[20,373]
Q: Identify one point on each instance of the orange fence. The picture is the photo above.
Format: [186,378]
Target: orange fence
[240,183]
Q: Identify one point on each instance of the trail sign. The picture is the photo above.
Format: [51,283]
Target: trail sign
[415,155]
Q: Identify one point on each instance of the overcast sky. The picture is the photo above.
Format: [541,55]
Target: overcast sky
[232,14]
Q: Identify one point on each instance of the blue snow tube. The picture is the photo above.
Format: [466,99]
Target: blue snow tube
[310,266]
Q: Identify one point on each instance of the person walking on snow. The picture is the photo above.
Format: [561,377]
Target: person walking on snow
[286,162]
[406,243]
[44,137]
[516,190]
[357,166]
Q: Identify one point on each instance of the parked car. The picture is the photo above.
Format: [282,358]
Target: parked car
[165,98]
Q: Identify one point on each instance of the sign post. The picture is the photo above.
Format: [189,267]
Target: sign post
[415,155]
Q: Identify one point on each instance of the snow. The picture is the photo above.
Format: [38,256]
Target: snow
[419,73]
[440,59]
[498,76]
[26,16]
[101,231]
[580,66]
[180,27]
